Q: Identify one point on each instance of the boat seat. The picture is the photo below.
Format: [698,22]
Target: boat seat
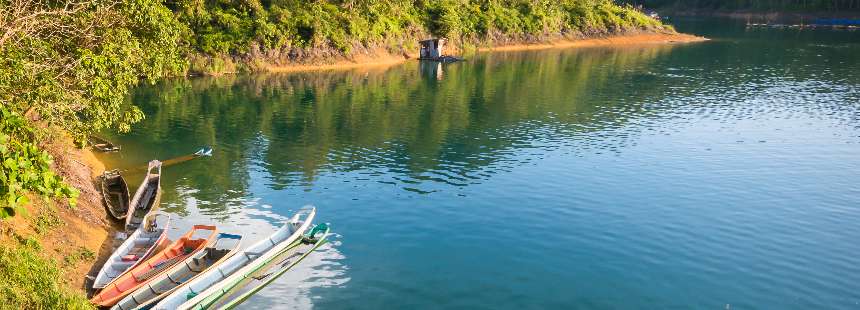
[122,263]
[197,264]
[158,268]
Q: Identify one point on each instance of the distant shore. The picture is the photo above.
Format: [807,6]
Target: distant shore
[758,16]
[614,40]
[384,59]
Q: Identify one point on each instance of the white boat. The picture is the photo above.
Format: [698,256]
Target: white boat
[223,248]
[147,197]
[135,249]
[213,280]
[269,272]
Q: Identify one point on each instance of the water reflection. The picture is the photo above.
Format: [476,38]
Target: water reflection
[294,290]
[399,123]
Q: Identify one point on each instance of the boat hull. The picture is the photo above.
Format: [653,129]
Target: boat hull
[181,274]
[115,194]
[146,198]
[143,273]
[207,283]
[135,249]
[269,272]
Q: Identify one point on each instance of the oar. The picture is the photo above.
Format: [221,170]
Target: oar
[202,152]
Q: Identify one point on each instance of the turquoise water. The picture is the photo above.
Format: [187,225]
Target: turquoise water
[663,176]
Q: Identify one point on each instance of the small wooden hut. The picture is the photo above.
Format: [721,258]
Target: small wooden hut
[431,49]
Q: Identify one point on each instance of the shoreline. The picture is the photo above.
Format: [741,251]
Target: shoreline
[384,59]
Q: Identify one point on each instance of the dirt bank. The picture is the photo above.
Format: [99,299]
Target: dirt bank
[77,238]
[381,58]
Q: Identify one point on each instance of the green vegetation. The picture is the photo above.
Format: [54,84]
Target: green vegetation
[29,281]
[80,254]
[24,168]
[73,63]
[47,220]
[790,5]
[283,28]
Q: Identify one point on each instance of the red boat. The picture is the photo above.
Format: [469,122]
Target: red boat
[160,262]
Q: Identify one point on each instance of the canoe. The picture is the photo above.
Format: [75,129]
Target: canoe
[135,249]
[268,273]
[224,247]
[147,196]
[102,144]
[140,275]
[115,194]
[198,289]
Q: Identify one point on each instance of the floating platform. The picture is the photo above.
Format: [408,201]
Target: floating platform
[443,58]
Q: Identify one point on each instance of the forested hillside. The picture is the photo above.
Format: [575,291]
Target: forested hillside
[289,30]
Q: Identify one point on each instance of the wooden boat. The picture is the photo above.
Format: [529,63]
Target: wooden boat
[267,273]
[143,273]
[135,249]
[115,194]
[103,145]
[224,247]
[209,282]
[147,196]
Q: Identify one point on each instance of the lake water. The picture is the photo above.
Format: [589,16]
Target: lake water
[697,176]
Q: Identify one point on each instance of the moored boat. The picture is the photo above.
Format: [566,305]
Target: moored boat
[135,249]
[208,282]
[145,297]
[267,273]
[141,274]
[147,196]
[115,194]
[102,144]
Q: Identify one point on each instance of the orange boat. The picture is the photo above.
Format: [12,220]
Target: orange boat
[160,262]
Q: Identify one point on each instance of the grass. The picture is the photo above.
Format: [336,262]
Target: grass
[79,255]
[30,281]
[46,220]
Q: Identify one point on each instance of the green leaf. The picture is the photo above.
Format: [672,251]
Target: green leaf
[6,212]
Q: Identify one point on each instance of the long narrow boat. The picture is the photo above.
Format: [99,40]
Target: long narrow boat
[266,274]
[115,194]
[200,287]
[135,249]
[224,247]
[147,196]
[103,145]
[140,275]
